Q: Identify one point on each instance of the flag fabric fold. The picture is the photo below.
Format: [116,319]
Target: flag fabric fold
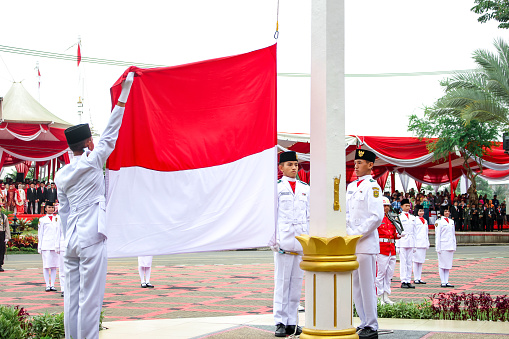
[194,167]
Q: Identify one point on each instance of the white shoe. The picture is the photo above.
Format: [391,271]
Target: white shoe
[387,300]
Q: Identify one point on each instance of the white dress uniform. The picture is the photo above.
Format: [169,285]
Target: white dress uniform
[364,213]
[292,220]
[61,264]
[81,194]
[421,242]
[49,240]
[445,245]
[406,247]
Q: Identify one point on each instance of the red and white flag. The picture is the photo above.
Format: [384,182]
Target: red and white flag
[79,54]
[194,167]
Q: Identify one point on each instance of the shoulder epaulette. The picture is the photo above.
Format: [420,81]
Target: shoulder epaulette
[302,182]
[279,181]
[372,180]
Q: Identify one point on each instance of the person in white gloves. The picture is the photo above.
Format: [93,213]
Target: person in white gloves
[5,236]
[445,245]
[421,243]
[406,244]
[292,220]
[81,194]
[48,233]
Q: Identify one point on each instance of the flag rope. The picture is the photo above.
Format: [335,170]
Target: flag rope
[276,33]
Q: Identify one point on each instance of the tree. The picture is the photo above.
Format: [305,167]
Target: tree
[483,187]
[482,94]
[454,135]
[492,9]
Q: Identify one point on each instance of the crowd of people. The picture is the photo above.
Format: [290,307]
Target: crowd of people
[27,197]
[488,214]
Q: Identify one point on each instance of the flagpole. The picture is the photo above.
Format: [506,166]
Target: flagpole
[80,81]
[329,254]
[38,81]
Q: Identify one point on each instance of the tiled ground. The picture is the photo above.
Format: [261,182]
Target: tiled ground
[222,290]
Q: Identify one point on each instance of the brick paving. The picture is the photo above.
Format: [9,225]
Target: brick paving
[225,290]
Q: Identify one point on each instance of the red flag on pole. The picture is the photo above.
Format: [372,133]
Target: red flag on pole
[79,54]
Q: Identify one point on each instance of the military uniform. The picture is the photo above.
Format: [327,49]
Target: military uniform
[386,259]
[406,247]
[421,245]
[48,246]
[445,245]
[292,220]
[364,213]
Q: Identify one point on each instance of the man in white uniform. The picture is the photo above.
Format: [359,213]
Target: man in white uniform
[82,209]
[421,244]
[364,213]
[292,220]
[445,245]
[406,245]
[48,245]
[144,268]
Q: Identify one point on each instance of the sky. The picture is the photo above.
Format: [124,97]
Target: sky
[380,37]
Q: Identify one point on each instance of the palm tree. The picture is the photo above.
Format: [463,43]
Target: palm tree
[481,94]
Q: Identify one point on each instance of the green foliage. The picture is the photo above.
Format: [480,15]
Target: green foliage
[403,310]
[49,326]
[11,323]
[492,10]
[501,191]
[35,223]
[483,187]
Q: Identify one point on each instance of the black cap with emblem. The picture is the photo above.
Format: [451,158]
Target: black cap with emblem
[405,201]
[287,156]
[365,155]
[77,133]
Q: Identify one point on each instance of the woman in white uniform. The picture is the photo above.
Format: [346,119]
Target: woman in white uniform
[144,267]
[421,243]
[48,245]
[445,245]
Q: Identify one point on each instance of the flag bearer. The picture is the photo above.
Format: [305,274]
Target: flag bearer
[421,244]
[292,220]
[386,259]
[364,213]
[49,245]
[82,209]
[406,244]
[445,245]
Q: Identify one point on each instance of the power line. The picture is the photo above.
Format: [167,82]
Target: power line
[67,57]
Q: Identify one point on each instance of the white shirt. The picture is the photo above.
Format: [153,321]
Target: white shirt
[408,223]
[364,213]
[49,233]
[81,188]
[445,235]
[421,233]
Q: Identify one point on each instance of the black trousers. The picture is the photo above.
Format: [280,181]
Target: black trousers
[2,247]
[31,207]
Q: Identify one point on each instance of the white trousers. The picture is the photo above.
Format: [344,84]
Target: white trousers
[405,264]
[61,270]
[85,280]
[287,288]
[385,265]
[364,295]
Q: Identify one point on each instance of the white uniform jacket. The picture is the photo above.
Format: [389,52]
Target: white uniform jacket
[364,213]
[81,188]
[445,235]
[49,233]
[292,214]
[408,223]
[421,233]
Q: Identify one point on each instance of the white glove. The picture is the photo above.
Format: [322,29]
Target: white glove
[126,87]
[275,248]
[397,250]
[404,234]
[6,241]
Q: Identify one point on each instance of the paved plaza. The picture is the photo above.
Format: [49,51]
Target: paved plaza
[234,283]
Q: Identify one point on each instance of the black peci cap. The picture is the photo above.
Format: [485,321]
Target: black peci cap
[77,133]
[405,201]
[287,156]
[365,155]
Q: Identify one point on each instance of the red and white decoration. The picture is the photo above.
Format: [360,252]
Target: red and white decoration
[194,167]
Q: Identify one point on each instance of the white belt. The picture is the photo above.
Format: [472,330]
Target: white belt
[386,240]
[87,202]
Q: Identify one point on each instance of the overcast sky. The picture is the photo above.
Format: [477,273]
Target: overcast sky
[381,37]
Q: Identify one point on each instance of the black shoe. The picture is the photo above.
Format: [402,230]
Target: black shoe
[62,294]
[52,289]
[358,329]
[1,269]
[449,285]
[443,285]
[48,289]
[144,285]
[410,285]
[280,330]
[404,285]
[149,285]
[422,282]
[368,333]
[290,329]
[417,282]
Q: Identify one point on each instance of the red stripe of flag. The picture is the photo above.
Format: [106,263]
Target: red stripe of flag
[79,54]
